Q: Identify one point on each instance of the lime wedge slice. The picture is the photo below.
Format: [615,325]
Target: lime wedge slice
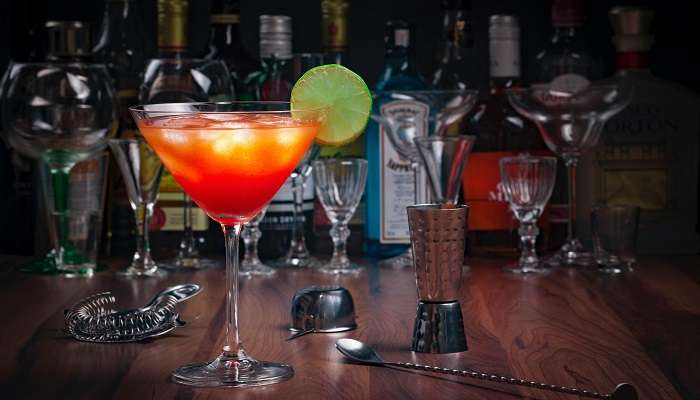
[345,95]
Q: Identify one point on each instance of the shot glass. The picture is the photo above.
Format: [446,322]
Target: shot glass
[614,230]
[75,226]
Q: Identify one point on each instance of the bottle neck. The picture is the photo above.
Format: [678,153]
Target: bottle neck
[456,36]
[632,60]
[399,58]
[226,34]
[565,33]
[172,28]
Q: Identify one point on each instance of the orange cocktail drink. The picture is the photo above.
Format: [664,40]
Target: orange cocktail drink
[230,164]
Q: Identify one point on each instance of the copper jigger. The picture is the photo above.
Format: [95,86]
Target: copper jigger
[437,238]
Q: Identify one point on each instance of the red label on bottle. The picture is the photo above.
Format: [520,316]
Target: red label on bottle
[632,60]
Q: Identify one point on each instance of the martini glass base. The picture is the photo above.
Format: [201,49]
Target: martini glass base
[518,269]
[232,372]
[255,269]
[571,254]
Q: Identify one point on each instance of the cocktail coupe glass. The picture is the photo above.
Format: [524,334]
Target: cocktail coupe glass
[141,171]
[59,113]
[441,108]
[185,80]
[298,254]
[570,124]
[220,153]
[528,183]
[251,264]
[339,186]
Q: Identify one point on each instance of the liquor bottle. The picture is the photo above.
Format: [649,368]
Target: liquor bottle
[225,44]
[120,48]
[334,30]
[648,154]
[390,179]
[456,58]
[500,132]
[273,81]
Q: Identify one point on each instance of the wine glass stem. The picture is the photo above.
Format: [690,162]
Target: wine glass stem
[298,244]
[339,233]
[528,236]
[571,228]
[251,235]
[188,246]
[60,178]
[143,214]
[232,343]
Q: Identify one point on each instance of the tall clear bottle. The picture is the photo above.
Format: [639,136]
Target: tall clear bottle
[120,48]
[225,44]
[648,154]
[500,132]
[390,178]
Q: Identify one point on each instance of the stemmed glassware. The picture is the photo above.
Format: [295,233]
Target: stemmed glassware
[251,263]
[570,124]
[298,254]
[182,80]
[527,185]
[220,154]
[141,171]
[441,109]
[339,187]
[59,113]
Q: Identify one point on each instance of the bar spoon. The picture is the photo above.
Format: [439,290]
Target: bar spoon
[360,352]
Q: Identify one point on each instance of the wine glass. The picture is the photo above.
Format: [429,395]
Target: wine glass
[528,183]
[403,125]
[59,113]
[298,254]
[339,186]
[141,171]
[220,154]
[570,124]
[183,80]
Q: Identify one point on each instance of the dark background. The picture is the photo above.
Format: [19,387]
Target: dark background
[674,55]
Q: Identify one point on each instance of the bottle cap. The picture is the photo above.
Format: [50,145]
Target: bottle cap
[397,34]
[276,36]
[334,24]
[225,12]
[68,39]
[172,24]
[504,27]
[568,13]
[632,27]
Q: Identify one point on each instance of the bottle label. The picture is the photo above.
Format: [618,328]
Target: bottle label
[402,37]
[504,58]
[279,214]
[400,185]
[169,214]
[483,192]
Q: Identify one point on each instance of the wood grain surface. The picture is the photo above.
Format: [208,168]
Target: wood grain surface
[571,327]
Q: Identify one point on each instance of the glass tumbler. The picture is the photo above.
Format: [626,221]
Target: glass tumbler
[614,237]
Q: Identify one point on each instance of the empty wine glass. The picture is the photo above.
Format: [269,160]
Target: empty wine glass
[570,123]
[339,186]
[251,264]
[527,184]
[141,171]
[59,113]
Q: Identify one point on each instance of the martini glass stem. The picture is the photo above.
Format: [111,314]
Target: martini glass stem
[232,344]
[142,256]
[297,246]
[571,226]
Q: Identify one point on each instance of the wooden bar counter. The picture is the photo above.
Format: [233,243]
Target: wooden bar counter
[571,327]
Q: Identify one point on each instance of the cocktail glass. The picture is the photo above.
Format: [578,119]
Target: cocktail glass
[141,171]
[220,153]
[59,113]
[570,123]
[527,184]
[339,186]
[403,125]
[184,80]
